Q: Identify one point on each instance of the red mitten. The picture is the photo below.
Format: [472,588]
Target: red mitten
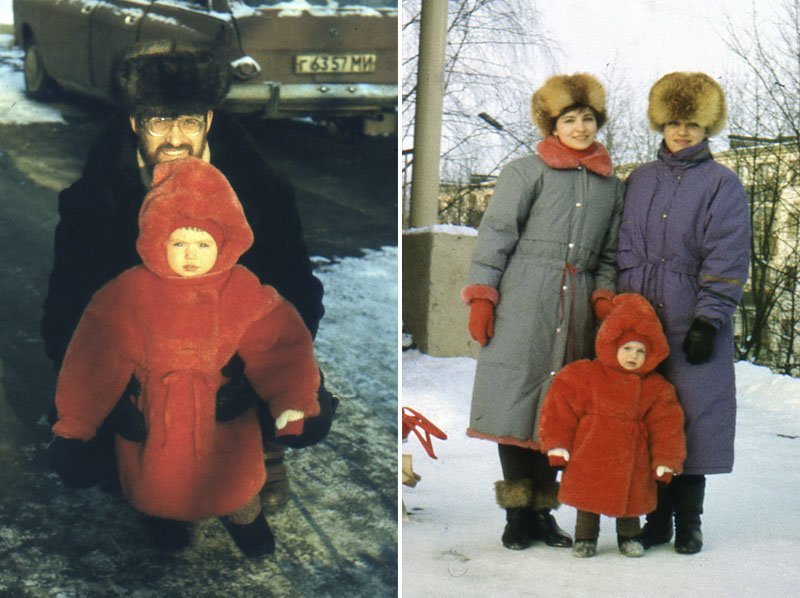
[481,320]
[602,303]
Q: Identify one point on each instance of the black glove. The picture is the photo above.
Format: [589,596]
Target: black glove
[699,342]
[237,395]
[126,419]
[314,428]
[76,462]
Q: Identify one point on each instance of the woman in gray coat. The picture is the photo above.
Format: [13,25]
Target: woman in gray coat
[546,248]
[684,244]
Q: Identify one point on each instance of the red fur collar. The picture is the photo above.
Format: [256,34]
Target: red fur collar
[557,155]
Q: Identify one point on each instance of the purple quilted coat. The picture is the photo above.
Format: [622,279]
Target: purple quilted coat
[684,244]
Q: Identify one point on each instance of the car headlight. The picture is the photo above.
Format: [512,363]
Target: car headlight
[245,67]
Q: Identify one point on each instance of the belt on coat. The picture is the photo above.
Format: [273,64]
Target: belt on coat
[199,386]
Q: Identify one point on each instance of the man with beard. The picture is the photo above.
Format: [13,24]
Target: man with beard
[169,91]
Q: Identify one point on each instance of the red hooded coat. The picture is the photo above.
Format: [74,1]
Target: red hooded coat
[175,334]
[617,425]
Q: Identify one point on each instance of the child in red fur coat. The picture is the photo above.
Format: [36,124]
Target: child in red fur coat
[173,323]
[616,425]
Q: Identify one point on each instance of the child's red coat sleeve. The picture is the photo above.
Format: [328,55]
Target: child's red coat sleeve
[664,422]
[96,368]
[279,362]
[561,411]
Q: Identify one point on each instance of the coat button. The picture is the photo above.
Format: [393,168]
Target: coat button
[660,305]
[558,329]
[663,215]
[578,205]
[553,373]
[564,288]
[571,245]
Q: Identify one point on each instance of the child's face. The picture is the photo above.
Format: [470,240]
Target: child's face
[631,355]
[191,252]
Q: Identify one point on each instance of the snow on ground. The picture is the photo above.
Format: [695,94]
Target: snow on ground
[357,340]
[14,106]
[451,542]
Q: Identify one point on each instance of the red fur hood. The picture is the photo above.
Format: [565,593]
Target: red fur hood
[191,193]
[632,318]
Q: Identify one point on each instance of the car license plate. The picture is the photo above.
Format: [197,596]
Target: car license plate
[313,64]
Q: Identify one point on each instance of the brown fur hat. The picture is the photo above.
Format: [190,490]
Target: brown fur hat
[170,78]
[691,97]
[563,91]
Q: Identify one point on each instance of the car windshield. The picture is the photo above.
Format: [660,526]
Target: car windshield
[340,4]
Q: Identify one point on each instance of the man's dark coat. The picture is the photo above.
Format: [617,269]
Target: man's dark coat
[95,239]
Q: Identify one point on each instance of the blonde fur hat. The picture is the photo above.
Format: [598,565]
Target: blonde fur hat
[691,97]
[562,91]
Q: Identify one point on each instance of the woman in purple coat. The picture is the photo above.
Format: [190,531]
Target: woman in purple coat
[684,244]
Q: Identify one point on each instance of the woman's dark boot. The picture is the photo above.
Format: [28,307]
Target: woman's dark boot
[254,539]
[515,534]
[658,528]
[689,495]
[514,496]
[543,526]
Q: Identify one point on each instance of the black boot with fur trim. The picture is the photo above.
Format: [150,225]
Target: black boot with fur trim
[515,496]
[528,517]
[542,524]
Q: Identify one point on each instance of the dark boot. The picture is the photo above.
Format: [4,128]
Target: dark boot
[514,496]
[515,534]
[253,539]
[169,535]
[658,529]
[543,526]
[689,495]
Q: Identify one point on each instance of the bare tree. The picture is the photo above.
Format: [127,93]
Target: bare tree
[626,134]
[492,49]
[765,146]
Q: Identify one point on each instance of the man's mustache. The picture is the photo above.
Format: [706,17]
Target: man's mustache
[169,146]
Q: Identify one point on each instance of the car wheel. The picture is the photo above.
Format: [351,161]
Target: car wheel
[39,85]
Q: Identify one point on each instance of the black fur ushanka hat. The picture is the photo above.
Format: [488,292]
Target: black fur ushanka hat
[170,78]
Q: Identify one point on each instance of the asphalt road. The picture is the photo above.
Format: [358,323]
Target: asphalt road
[338,536]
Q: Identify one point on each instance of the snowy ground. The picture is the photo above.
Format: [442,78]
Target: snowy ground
[451,542]
[14,106]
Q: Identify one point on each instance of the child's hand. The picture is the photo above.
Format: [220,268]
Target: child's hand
[558,457]
[290,415]
[664,474]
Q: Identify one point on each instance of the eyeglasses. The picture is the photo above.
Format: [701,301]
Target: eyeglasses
[159,126]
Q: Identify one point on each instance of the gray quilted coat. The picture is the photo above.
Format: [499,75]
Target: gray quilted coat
[547,240]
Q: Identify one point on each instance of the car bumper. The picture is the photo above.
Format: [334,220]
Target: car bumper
[275,99]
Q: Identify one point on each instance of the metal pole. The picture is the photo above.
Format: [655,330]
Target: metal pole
[428,124]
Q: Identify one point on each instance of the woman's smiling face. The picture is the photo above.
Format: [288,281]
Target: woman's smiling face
[680,134]
[577,128]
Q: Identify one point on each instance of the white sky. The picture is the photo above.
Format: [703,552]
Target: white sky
[645,38]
